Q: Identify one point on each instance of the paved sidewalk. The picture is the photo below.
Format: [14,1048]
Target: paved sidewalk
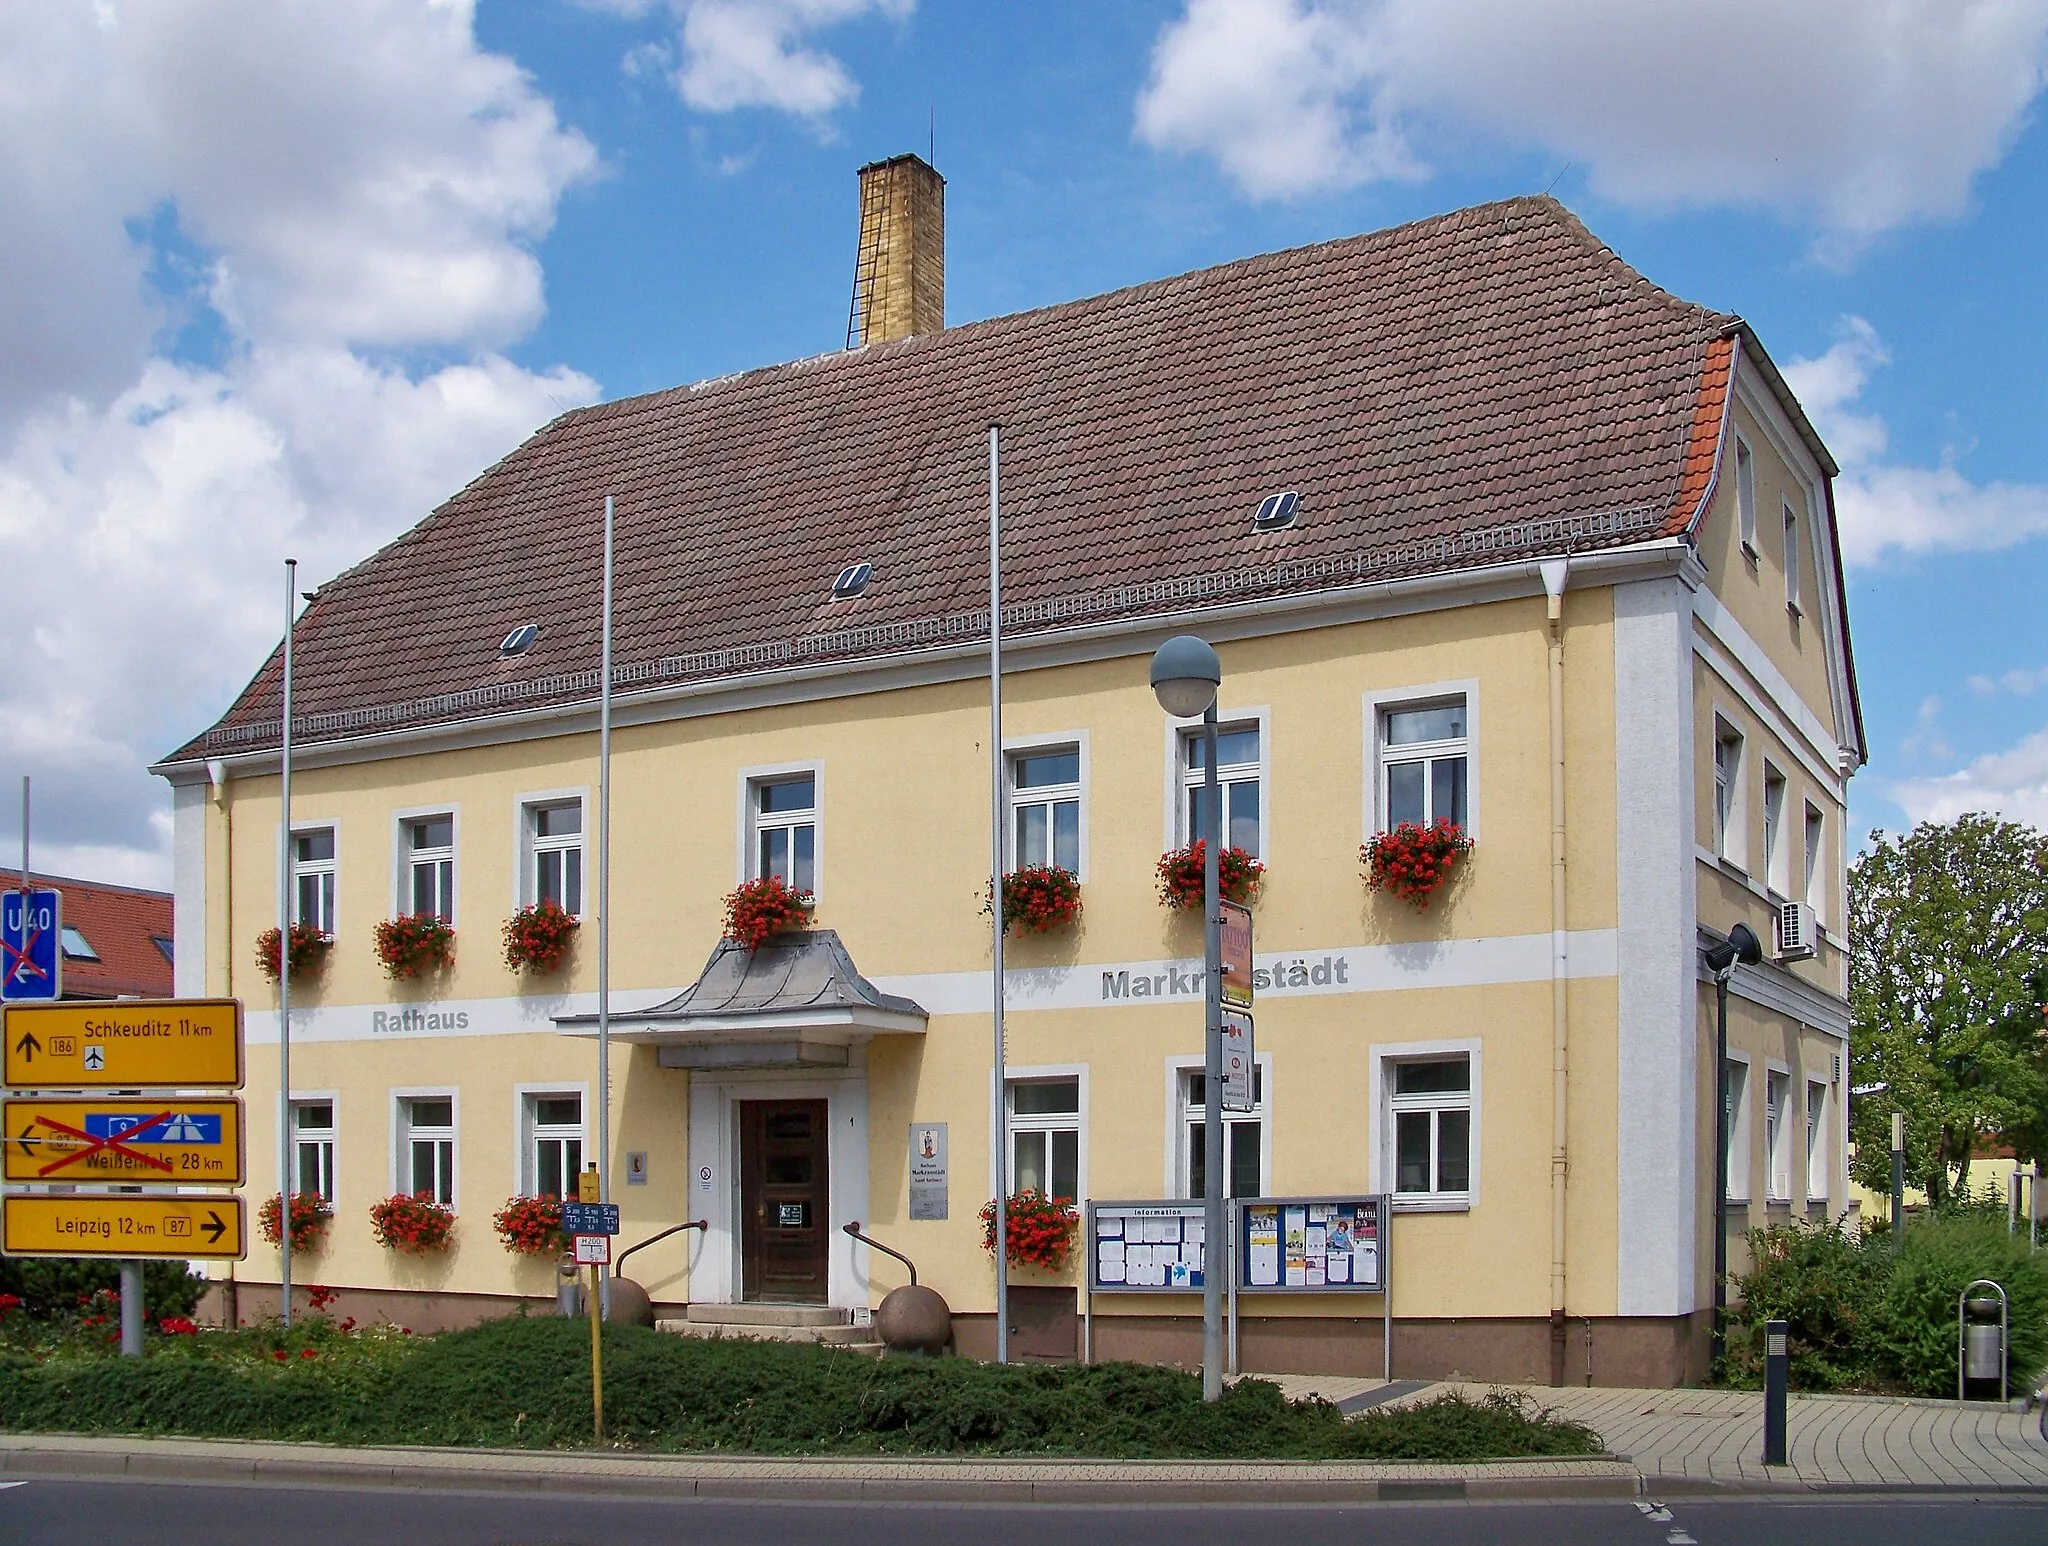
[1716,1436]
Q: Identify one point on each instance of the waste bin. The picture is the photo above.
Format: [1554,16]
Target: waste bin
[568,1288]
[1981,1325]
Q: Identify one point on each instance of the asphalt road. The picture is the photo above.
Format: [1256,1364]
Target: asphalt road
[86,1513]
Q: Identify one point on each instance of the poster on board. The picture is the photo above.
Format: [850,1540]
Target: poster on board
[1146,1247]
[1312,1245]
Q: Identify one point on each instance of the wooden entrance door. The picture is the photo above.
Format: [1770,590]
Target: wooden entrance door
[784,1201]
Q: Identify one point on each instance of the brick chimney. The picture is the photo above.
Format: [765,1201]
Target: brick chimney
[899,274]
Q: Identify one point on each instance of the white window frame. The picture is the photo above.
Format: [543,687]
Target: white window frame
[525,878]
[1814,835]
[1179,1155]
[327,867]
[1047,1073]
[1177,731]
[1793,568]
[744,869]
[1015,747]
[332,1100]
[1381,1086]
[1739,1168]
[1778,1145]
[1777,851]
[526,1134]
[399,1177]
[401,858]
[1376,705]
[1745,496]
[1819,1150]
[1731,819]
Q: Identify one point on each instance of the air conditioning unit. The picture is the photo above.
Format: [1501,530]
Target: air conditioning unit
[1797,932]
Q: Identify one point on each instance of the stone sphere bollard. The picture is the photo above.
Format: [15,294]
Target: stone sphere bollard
[914,1319]
[629,1304]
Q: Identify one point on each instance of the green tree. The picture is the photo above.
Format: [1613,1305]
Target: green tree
[1948,973]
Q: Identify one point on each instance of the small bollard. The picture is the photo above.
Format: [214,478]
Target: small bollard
[1776,1367]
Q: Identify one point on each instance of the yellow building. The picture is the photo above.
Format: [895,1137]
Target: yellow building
[1562,569]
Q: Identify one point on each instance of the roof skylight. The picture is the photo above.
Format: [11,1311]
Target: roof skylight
[520,639]
[853,579]
[76,946]
[1276,512]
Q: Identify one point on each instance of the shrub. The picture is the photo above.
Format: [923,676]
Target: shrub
[54,1286]
[531,1226]
[761,909]
[1412,861]
[1040,1229]
[413,1223]
[413,943]
[1037,899]
[310,1217]
[1827,1283]
[538,936]
[1238,876]
[308,951]
[1936,1258]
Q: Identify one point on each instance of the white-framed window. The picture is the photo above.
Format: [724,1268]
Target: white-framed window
[315,873]
[1046,803]
[552,1141]
[76,947]
[782,828]
[1745,495]
[429,847]
[1045,1135]
[1240,766]
[1735,1119]
[552,864]
[1247,1135]
[424,1157]
[313,1129]
[1777,852]
[1816,859]
[1817,1156]
[1424,762]
[1729,842]
[1778,1131]
[1430,1127]
[1791,558]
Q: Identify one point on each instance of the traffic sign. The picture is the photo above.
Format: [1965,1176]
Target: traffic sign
[1240,1090]
[188,1043]
[169,1142]
[1234,928]
[593,1250]
[122,1224]
[31,934]
[590,1218]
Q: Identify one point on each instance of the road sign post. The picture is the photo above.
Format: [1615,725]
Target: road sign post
[603,1219]
[126,1044]
[169,1140]
[142,1225]
[31,933]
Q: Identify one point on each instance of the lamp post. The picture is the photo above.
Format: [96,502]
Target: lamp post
[1185,676]
[1741,947]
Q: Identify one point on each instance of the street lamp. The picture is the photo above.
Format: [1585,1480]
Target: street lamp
[1185,676]
[1741,947]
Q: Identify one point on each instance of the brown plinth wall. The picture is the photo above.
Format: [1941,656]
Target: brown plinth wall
[380,1306]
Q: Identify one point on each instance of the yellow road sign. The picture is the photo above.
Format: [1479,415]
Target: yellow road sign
[168,1140]
[126,1044]
[110,1224]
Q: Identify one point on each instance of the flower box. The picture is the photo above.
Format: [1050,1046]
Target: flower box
[310,1218]
[1181,883]
[531,1226]
[1037,899]
[1041,1229]
[308,951]
[761,909]
[413,944]
[538,936]
[413,1223]
[1414,862]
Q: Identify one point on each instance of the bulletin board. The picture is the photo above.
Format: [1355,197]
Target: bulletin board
[1146,1247]
[1312,1245]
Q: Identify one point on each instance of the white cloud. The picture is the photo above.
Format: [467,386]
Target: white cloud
[2012,783]
[753,53]
[2019,682]
[1861,116]
[323,192]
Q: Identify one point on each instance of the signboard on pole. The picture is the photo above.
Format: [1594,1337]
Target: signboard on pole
[1240,1080]
[590,1218]
[929,1197]
[593,1250]
[126,1044]
[1235,926]
[1315,1245]
[1146,1247]
[168,1140]
[31,939]
[155,1226]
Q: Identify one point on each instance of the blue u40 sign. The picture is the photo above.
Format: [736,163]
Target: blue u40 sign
[31,962]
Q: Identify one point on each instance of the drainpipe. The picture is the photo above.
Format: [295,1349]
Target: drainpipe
[217,779]
[1555,572]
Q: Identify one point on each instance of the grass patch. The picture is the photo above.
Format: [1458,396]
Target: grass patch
[525,1382]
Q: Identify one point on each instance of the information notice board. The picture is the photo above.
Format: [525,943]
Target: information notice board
[1312,1245]
[1146,1247]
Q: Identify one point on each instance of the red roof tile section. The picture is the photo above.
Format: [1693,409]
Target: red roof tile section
[1486,385]
[1710,417]
[122,926]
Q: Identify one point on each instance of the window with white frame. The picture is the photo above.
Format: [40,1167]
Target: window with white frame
[1816,872]
[783,816]
[313,1148]
[1816,1140]
[554,854]
[1745,494]
[1424,759]
[1237,775]
[1728,843]
[1045,1137]
[426,1146]
[1777,852]
[314,870]
[1244,1135]
[1045,808]
[430,865]
[1735,1126]
[554,1143]
[1777,1132]
[1791,557]
[1430,1115]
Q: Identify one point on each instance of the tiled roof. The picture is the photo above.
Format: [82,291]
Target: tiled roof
[122,926]
[1489,384]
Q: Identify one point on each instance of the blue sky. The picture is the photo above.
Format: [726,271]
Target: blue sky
[286,274]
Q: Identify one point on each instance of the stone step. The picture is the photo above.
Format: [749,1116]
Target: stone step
[767,1315]
[842,1335]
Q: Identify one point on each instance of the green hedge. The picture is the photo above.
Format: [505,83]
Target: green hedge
[56,1286]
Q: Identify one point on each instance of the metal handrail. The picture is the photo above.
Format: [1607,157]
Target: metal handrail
[651,1239]
[853,1229]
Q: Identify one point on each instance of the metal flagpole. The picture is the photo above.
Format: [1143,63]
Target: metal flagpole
[284,962]
[604,900]
[995,829]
